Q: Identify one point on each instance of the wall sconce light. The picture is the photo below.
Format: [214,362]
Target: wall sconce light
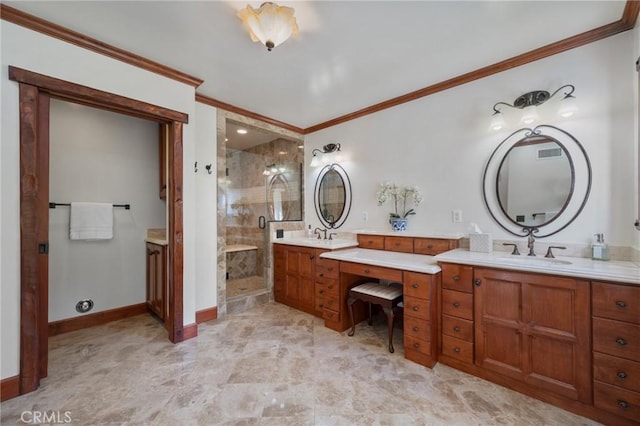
[529,102]
[270,24]
[330,153]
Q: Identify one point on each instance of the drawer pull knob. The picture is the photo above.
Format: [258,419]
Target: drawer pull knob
[456,350]
[415,308]
[456,329]
[429,246]
[330,286]
[415,285]
[311,257]
[416,345]
[456,277]
[367,271]
[477,282]
[321,292]
[621,342]
[415,328]
[321,274]
[330,269]
[623,404]
[622,375]
[621,304]
[456,305]
[321,305]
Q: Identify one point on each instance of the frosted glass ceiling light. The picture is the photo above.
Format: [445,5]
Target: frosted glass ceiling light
[529,103]
[271,24]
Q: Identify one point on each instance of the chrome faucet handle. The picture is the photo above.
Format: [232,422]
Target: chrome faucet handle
[550,253]
[317,231]
[515,251]
[332,234]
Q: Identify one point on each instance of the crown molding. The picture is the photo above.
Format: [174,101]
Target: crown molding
[228,107]
[9,14]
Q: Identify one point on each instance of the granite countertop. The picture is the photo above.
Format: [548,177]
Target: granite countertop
[336,243]
[157,236]
[389,259]
[579,267]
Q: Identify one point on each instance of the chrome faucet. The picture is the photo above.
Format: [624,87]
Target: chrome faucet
[332,234]
[318,231]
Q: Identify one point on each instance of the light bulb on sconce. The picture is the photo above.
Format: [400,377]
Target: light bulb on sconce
[529,104]
[330,154]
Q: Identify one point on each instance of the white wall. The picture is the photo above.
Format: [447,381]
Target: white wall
[635,79]
[100,156]
[36,52]
[206,249]
[441,143]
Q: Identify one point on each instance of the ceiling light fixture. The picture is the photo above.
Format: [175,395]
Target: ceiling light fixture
[241,131]
[271,24]
[328,154]
[529,102]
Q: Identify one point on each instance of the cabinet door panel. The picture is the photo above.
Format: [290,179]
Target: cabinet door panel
[535,328]
[291,288]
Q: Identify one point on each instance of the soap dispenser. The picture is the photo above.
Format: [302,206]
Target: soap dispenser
[599,249]
[309,232]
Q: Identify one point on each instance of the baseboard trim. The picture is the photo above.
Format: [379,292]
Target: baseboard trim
[99,318]
[9,388]
[189,331]
[207,314]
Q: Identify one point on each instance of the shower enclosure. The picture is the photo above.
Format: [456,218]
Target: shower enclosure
[264,184]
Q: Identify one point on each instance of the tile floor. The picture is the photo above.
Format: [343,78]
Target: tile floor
[270,366]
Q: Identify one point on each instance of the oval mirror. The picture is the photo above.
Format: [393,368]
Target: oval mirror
[537,181]
[279,198]
[332,196]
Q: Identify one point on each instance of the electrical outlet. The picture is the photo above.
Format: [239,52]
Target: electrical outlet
[365,216]
[456,216]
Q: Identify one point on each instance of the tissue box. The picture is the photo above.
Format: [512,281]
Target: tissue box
[482,243]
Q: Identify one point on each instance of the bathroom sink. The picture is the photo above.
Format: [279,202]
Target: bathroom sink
[314,242]
[532,260]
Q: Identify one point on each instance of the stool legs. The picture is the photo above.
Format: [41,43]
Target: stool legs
[350,302]
[389,312]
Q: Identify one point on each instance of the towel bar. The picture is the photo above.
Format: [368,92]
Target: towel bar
[54,205]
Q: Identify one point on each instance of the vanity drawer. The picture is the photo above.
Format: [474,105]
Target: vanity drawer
[419,345]
[457,277]
[418,308]
[331,303]
[417,285]
[401,244]
[371,271]
[330,315]
[457,327]
[616,338]
[328,271]
[616,371]
[319,302]
[457,304]
[456,348]
[330,287]
[430,246]
[371,241]
[616,400]
[417,328]
[615,301]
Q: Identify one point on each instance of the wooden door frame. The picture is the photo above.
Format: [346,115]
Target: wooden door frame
[35,91]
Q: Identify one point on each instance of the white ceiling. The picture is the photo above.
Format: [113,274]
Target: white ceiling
[349,54]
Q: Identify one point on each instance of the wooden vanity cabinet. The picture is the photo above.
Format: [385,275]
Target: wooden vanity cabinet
[417,245]
[420,317]
[156,279]
[294,277]
[457,315]
[534,329]
[327,287]
[616,348]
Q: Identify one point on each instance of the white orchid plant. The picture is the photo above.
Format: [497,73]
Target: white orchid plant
[402,198]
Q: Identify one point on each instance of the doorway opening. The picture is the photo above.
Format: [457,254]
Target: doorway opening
[35,92]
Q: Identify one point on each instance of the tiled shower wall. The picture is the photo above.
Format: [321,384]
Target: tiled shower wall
[224,220]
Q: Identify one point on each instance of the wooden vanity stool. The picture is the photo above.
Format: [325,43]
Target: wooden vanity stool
[387,296]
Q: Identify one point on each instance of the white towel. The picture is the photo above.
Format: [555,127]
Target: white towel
[91,221]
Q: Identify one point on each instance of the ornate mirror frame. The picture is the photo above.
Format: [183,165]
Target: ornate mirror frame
[339,221]
[579,194]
